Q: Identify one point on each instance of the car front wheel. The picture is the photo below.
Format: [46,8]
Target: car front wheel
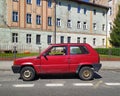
[27,74]
[86,73]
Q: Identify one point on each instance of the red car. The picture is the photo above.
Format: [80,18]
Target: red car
[81,59]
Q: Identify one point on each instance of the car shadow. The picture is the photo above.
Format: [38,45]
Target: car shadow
[63,76]
[58,76]
[97,76]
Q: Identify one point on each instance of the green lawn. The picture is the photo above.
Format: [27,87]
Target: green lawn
[18,55]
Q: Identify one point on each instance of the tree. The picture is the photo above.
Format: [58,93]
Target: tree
[115,34]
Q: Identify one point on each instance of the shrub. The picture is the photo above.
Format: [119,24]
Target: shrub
[108,51]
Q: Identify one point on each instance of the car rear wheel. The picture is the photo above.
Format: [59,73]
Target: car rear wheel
[86,73]
[27,74]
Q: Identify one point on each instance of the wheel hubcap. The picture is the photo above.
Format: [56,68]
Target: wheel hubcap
[86,73]
[27,74]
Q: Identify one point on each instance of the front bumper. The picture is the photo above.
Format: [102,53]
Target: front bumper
[97,67]
[16,68]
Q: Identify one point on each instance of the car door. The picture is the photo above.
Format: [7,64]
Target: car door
[78,55]
[55,60]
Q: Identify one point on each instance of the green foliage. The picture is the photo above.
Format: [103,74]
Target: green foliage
[108,51]
[115,34]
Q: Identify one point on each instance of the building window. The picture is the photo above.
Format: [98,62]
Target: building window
[69,25]
[94,41]
[38,39]
[78,24]
[28,38]
[110,11]
[49,39]
[38,2]
[69,7]
[49,21]
[49,3]
[78,39]
[38,19]
[14,37]
[84,40]
[103,27]
[84,25]
[68,39]
[58,22]
[62,39]
[103,42]
[15,17]
[110,24]
[59,3]
[103,13]
[85,11]
[94,12]
[15,0]
[29,1]
[29,19]
[94,26]
[78,9]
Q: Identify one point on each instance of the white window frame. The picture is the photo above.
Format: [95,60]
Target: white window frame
[58,22]
[29,1]
[94,26]
[28,18]
[49,21]
[49,3]
[103,27]
[69,7]
[38,39]
[14,37]
[15,16]
[84,25]
[38,2]
[28,38]
[94,41]
[69,24]
[79,25]
[38,19]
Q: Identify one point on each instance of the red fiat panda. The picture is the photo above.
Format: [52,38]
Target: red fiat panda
[81,59]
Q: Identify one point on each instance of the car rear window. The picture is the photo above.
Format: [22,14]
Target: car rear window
[78,50]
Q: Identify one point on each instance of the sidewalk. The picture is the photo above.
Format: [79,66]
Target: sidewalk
[6,65]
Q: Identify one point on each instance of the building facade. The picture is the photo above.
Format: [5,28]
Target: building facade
[31,24]
[112,12]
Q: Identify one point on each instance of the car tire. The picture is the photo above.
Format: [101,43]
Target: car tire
[86,73]
[27,74]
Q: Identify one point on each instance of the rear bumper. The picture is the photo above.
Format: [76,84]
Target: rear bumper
[97,67]
[16,69]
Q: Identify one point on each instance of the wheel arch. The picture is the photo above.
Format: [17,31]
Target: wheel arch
[81,66]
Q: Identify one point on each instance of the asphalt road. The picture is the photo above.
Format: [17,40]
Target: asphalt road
[106,83]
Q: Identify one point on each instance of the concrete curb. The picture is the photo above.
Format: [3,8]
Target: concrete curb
[106,65]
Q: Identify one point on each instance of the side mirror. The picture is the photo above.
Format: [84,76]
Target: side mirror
[45,56]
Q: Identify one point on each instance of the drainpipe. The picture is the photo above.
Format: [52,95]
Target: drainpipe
[55,25]
[106,28]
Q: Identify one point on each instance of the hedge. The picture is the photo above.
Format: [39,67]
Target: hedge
[108,51]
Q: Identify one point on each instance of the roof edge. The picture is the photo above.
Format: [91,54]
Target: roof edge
[91,4]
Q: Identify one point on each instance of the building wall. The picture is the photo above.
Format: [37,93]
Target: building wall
[23,8]
[96,38]
[102,2]
[3,12]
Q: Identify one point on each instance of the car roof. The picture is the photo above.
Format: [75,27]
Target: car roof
[63,44]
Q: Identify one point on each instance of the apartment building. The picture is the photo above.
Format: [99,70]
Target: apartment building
[112,12]
[34,24]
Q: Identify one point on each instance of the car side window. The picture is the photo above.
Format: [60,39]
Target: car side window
[78,50]
[58,50]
